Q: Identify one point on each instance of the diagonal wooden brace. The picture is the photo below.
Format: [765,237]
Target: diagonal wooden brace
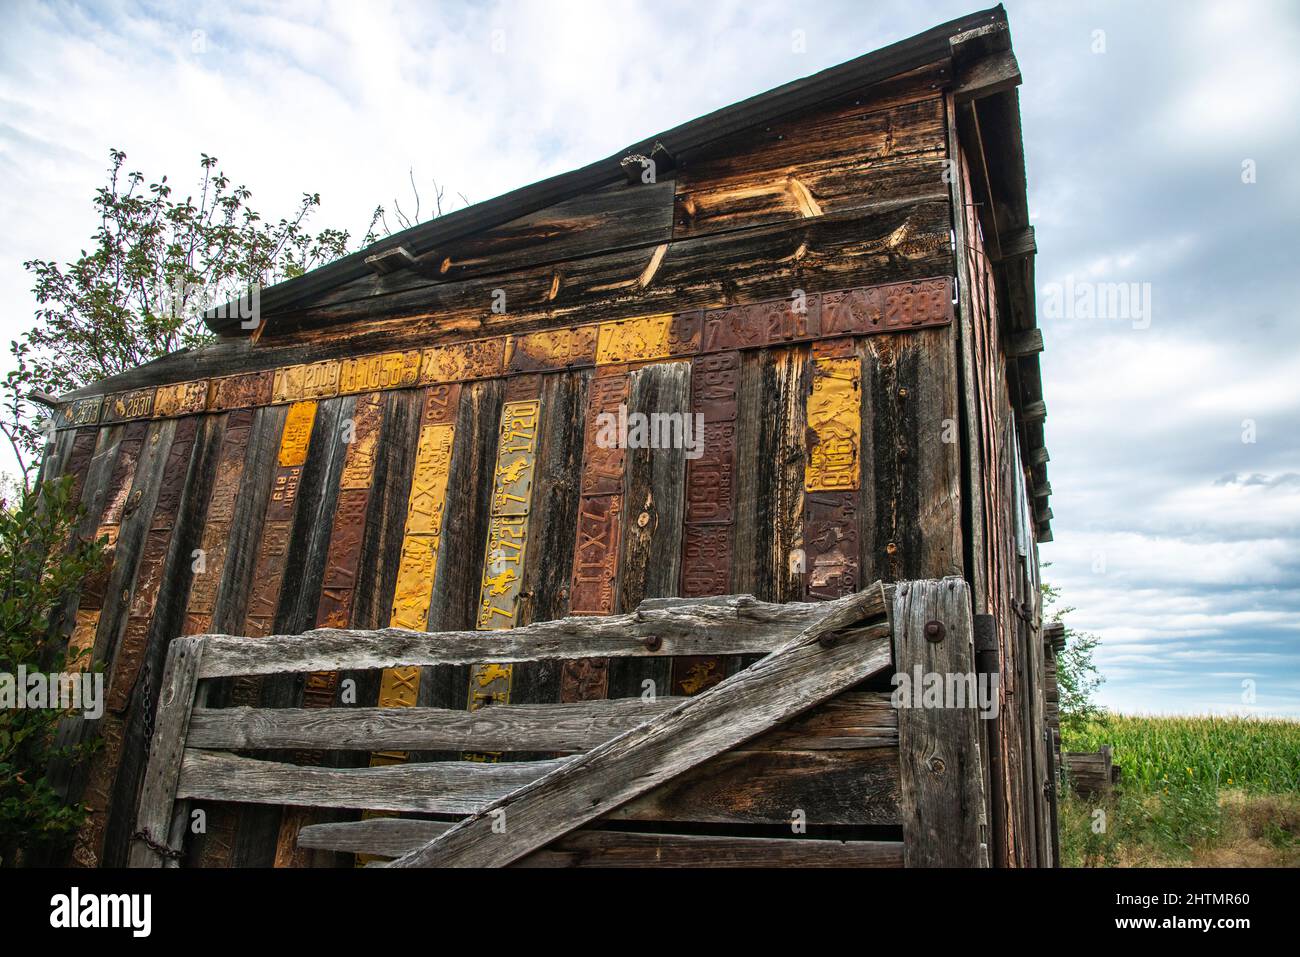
[850,643]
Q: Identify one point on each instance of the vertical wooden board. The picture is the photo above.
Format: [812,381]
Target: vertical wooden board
[771,452]
[654,487]
[167,620]
[942,779]
[133,512]
[552,527]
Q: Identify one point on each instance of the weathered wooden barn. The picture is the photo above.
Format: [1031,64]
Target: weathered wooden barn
[836,278]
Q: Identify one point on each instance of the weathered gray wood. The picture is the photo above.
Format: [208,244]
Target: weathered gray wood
[787,682]
[939,748]
[393,837]
[995,73]
[443,787]
[737,625]
[745,786]
[158,792]
[516,727]
[1017,245]
[853,720]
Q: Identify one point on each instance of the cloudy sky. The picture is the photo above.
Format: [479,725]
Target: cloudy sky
[1175,436]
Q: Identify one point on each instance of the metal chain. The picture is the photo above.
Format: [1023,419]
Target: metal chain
[162,850]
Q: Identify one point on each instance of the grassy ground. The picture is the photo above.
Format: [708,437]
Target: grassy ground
[1202,791]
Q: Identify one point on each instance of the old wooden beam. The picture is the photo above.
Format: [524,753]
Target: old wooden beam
[995,73]
[1034,411]
[391,260]
[939,747]
[735,625]
[158,792]
[522,727]
[393,837]
[1025,343]
[1019,243]
[827,657]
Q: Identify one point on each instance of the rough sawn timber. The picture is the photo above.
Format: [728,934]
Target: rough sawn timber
[798,676]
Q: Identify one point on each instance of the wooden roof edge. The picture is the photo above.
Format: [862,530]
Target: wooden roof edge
[928,47]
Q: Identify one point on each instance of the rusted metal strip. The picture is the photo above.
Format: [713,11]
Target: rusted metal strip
[503,562]
[137,404]
[78,464]
[834,421]
[129,656]
[219,840]
[421,539]
[463,361]
[891,308]
[643,339]
[83,640]
[149,574]
[116,501]
[388,370]
[313,380]
[600,508]
[338,587]
[832,475]
[552,349]
[709,534]
[240,391]
[79,413]
[183,398]
[273,547]
[213,546]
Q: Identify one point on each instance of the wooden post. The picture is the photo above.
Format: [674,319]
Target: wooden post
[942,773]
[154,841]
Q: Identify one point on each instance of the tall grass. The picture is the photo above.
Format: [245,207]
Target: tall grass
[1191,787]
[1249,754]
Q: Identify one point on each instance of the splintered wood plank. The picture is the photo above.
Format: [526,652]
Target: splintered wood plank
[798,676]
[896,241]
[733,625]
[393,837]
[443,787]
[939,747]
[854,720]
[746,786]
[519,727]
[158,793]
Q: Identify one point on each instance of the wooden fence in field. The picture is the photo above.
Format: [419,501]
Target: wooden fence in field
[798,759]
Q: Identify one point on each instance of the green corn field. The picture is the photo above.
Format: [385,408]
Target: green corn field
[1250,754]
[1205,790]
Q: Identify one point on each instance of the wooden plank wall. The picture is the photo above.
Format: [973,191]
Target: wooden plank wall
[298,528]
[1009,571]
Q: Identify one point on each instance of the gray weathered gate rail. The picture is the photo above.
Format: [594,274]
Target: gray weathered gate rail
[792,732]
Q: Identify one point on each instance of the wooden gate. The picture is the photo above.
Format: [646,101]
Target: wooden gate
[797,760]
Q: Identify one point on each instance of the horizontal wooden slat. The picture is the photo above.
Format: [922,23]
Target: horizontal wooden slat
[517,727]
[767,787]
[392,837]
[740,787]
[737,625]
[853,720]
[442,787]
